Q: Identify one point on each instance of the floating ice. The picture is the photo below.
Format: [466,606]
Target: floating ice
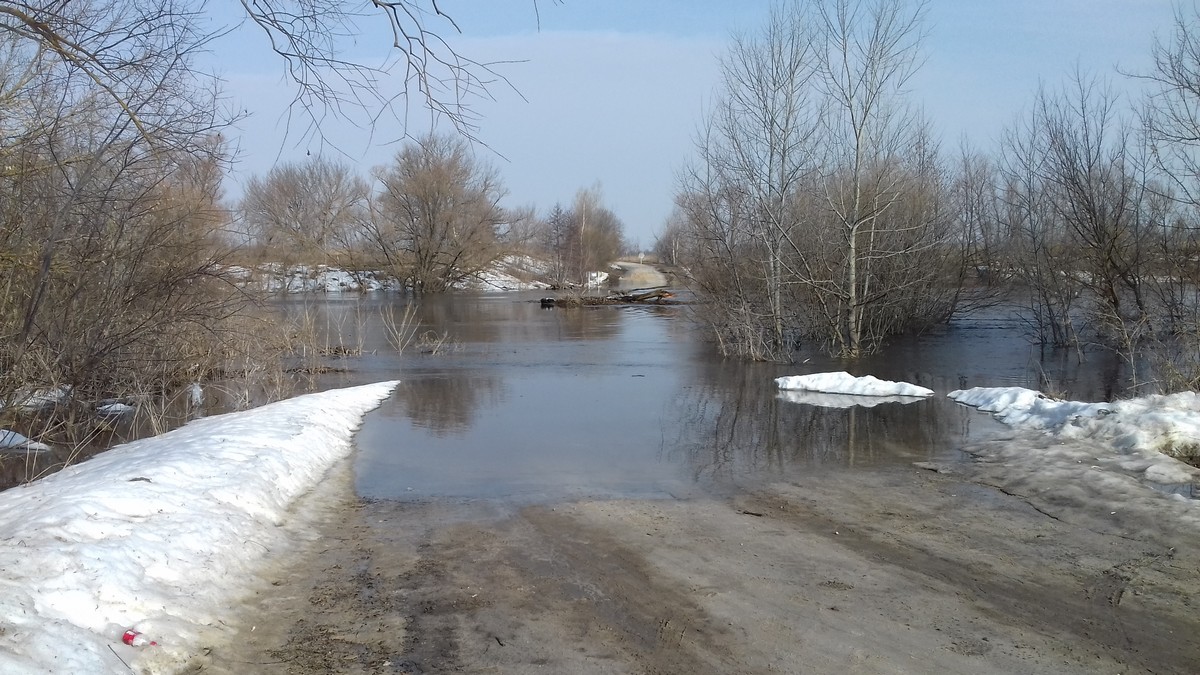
[845,383]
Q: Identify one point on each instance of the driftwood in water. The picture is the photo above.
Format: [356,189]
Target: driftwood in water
[658,296]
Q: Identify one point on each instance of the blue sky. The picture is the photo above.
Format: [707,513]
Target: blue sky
[611,91]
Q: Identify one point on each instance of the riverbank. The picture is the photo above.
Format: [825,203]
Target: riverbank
[862,571]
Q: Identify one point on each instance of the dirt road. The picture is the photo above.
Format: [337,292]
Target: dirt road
[888,571]
[639,275]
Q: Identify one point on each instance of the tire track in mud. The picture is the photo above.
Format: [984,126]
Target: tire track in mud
[327,609]
[350,625]
[1052,598]
[826,577]
[541,590]
[657,623]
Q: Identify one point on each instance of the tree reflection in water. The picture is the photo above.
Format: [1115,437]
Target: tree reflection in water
[734,424]
[446,404]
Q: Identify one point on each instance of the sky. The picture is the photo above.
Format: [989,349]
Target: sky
[163,535]
[609,94]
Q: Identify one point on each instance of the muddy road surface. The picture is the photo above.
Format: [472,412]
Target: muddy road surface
[871,571]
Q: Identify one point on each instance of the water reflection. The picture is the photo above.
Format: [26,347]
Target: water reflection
[991,349]
[537,403]
[732,424]
[617,401]
[357,322]
[543,403]
[823,400]
[445,403]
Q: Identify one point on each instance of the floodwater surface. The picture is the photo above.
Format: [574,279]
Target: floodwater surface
[501,398]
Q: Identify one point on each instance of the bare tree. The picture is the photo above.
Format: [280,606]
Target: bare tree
[1172,111]
[1170,116]
[667,245]
[105,40]
[1094,163]
[580,240]
[597,234]
[869,51]
[818,191]
[113,277]
[721,258]
[113,237]
[437,218]
[554,243]
[1080,200]
[975,200]
[311,210]
[757,148]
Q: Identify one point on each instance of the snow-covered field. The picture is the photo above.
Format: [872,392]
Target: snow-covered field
[510,273]
[161,535]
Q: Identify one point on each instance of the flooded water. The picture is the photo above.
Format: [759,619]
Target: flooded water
[500,397]
[527,403]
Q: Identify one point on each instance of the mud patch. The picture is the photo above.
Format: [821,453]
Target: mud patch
[859,572]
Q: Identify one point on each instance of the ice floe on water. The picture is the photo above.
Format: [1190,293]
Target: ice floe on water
[823,400]
[845,383]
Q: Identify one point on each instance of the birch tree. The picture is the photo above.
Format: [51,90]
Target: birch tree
[818,191]
[868,54]
[756,150]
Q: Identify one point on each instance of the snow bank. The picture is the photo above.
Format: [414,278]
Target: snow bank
[845,383]
[321,278]
[162,535]
[1138,435]
[509,273]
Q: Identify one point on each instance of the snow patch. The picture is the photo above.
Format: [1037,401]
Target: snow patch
[162,535]
[38,399]
[1140,436]
[509,273]
[11,440]
[114,409]
[845,383]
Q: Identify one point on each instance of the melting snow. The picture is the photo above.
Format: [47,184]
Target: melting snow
[824,400]
[1138,435]
[11,440]
[115,408]
[162,535]
[845,383]
[509,273]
